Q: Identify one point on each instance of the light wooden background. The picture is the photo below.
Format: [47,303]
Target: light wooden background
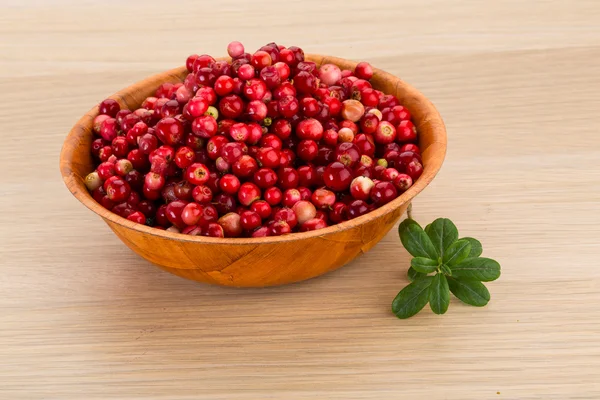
[82,317]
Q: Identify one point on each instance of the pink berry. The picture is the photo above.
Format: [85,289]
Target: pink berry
[279,228]
[330,74]
[361,187]
[304,210]
[235,49]
[352,110]
[346,135]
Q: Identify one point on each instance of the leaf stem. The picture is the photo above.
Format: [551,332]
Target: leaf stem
[409,211]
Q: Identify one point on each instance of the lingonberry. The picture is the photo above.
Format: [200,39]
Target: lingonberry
[191,213]
[248,193]
[272,141]
[229,183]
[402,182]
[273,195]
[387,101]
[410,147]
[231,106]
[283,70]
[170,131]
[120,147]
[323,198]
[309,128]
[154,181]
[183,190]
[262,208]
[310,107]
[261,59]
[135,180]
[361,187]
[123,167]
[288,178]
[235,49]
[282,128]
[270,75]
[197,174]
[207,94]
[254,89]
[279,228]
[213,230]
[304,210]
[357,208]
[215,146]
[246,71]
[202,194]
[147,208]
[305,82]
[245,166]
[307,150]
[363,70]
[306,175]
[287,215]
[265,178]
[93,181]
[334,104]
[347,153]
[288,106]
[173,213]
[256,110]
[338,213]
[330,74]
[407,132]
[184,157]
[239,132]
[250,220]
[369,123]
[414,169]
[232,151]
[108,129]
[389,174]
[313,225]
[337,176]
[383,192]
[106,170]
[109,107]
[291,197]
[352,110]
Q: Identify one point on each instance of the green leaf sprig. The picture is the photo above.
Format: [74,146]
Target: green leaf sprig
[442,263]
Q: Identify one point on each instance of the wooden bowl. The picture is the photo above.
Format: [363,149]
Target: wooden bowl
[267,261]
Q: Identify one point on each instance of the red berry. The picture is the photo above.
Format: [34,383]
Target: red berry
[246,71]
[282,128]
[414,169]
[347,153]
[330,74]
[232,151]
[287,215]
[109,107]
[402,182]
[248,193]
[261,59]
[169,131]
[137,217]
[291,197]
[323,198]
[249,220]
[229,184]
[306,175]
[197,174]
[279,228]
[108,129]
[407,131]
[305,82]
[288,106]
[337,176]
[382,193]
[363,70]
[273,195]
[338,213]
[254,89]
[184,157]
[205,126]
[123,167]
[307,150]
[410,147]
[191,213]
[271,141]
[117,190]
[313,225]
[235,49]
[389,174]
[213,230]
[288,178]
[256,110]
[173,212]
[309,129]
[223,85]
[231,225]
[262,208]
[231,106]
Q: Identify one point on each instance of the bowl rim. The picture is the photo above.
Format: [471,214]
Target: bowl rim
[77,187]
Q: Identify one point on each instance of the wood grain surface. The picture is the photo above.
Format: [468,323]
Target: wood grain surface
[82,317]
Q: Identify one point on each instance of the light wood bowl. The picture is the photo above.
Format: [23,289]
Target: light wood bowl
[267,261]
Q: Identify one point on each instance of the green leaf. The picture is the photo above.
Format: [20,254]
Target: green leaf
[412,298]
[478,268]
[416,241]
[442,233]
[476,248]
[424,265]
[446,270]
[469,291]
[413,275]
[457,252]
[439,294]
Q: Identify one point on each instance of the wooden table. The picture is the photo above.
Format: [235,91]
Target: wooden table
[82,317]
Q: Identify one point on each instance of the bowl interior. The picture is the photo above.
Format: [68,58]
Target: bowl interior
[76,160]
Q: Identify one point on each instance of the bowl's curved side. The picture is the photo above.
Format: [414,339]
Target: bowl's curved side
[257,261]
[267,264]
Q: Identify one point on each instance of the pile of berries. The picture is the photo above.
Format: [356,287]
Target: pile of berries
[262,145]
